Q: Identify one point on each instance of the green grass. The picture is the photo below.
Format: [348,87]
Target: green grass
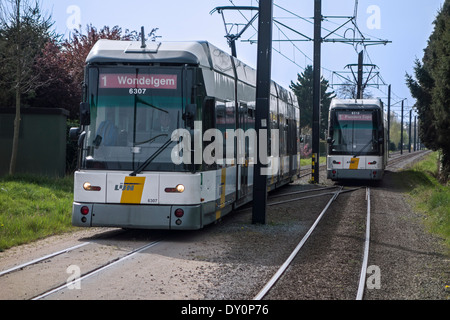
[429,197]
[307,162]
[33,207]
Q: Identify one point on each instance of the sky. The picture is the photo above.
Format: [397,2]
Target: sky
[406,23]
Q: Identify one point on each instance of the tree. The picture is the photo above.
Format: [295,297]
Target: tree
[74,51]
[59,90]
[431,88]
[23,33]
[303,89]
[348,90]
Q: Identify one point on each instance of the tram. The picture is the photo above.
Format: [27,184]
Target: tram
[357,139]
[158,124]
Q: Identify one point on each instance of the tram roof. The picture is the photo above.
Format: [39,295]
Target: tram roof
[200,53]
[116,51]
[356,103]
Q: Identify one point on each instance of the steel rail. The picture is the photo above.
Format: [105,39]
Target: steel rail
[95,271]
[284,266]
[26,264]
[301,191]
[48,256]
[399,158]
[362,278]
[312,196]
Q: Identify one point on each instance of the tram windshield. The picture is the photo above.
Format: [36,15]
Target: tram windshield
[354,133]
[134,111]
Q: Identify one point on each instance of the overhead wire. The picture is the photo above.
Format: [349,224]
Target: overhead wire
[356,30]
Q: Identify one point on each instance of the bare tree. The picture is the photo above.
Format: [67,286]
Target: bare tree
[347,90]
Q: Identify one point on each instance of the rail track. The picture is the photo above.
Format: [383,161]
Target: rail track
[102,264]
[398,158]
[97,270]
[119,252]
[281,271]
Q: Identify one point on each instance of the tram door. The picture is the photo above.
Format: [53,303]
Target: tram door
[245,118]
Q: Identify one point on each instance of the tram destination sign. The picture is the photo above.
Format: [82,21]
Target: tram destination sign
[355,117]
[143,81]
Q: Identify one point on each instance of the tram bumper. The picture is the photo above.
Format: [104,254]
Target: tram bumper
[137,216]
[359,174]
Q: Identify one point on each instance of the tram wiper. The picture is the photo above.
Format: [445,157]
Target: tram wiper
[362,149]
[139,100]
[151,158]
[151,139]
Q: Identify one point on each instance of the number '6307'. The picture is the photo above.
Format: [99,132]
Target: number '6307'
[137,91]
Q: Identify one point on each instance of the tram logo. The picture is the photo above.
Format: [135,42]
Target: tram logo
[125,186]
[132,189]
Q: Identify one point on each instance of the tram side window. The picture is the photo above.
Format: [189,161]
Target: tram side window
[209,114]
[221,124]
[209,122]
[226,119]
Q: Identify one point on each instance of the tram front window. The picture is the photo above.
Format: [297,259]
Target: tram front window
[354,133]
[133,114]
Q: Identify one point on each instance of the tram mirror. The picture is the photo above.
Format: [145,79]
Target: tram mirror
[74,133]
[81,139]
[190,114]
[191,110]
[85,114]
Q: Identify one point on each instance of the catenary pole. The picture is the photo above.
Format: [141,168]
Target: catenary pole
[401,133]
[316,91]
[410,140]
[389,120]
[263,73]
[359,92]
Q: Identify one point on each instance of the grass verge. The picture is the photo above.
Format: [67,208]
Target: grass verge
[33,207]
[307,161]
[429,197]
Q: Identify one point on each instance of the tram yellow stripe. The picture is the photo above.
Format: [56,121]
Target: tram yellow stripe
[223,181]
[132,190]
[354,162]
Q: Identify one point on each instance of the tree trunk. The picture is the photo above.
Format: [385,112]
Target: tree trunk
[15,144]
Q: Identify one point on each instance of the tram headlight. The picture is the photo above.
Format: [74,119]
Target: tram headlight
[88,187]
[179,188]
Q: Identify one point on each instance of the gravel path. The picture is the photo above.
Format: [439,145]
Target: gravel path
[408,262]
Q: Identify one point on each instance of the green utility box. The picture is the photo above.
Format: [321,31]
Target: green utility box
[42,141]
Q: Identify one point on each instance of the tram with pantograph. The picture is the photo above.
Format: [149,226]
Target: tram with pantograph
[158,124]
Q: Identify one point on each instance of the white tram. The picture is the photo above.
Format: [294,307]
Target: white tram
[132,171]
[357,139]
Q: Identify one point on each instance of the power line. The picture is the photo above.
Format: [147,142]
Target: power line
[356,38]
